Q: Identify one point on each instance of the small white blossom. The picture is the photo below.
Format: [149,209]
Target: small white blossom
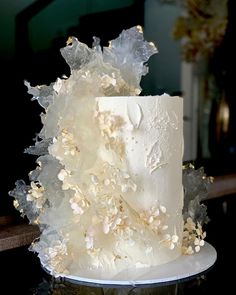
[170,241]
[36,195]
[187,250]
[198,244]
[16,204]
[76,208]
[106,225]
[78,203]
[155,217]
[106,182]
[62,174]
[163,209]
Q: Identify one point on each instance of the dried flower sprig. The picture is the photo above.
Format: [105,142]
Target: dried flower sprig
[202,28]
[196,186]
[193,237]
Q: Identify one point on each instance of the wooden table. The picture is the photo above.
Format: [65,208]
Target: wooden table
[224,185]
[17,235]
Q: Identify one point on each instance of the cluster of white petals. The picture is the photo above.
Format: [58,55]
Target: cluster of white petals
[54,256]
[170,241]
[193,237]
[36,195]
[155,218]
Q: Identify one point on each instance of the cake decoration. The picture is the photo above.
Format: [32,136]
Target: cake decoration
[107,193]
[196,186]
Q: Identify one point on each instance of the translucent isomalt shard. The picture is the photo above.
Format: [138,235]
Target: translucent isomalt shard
[127,54]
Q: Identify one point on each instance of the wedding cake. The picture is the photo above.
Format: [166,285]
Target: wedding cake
[107,192]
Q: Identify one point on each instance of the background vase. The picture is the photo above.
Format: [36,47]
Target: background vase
[210,95]
[216,118]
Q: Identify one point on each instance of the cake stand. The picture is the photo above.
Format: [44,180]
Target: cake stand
[184,267]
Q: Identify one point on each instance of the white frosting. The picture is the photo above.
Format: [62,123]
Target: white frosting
[153,148]
[152,135]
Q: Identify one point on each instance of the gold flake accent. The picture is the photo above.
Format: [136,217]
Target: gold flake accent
[140,29]
[69,41]
[16,204]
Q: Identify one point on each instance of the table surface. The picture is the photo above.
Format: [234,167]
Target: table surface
[21,273]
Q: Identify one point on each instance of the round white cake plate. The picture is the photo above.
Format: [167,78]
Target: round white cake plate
[186,266]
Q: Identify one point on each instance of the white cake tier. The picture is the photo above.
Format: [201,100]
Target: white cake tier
[144,137]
